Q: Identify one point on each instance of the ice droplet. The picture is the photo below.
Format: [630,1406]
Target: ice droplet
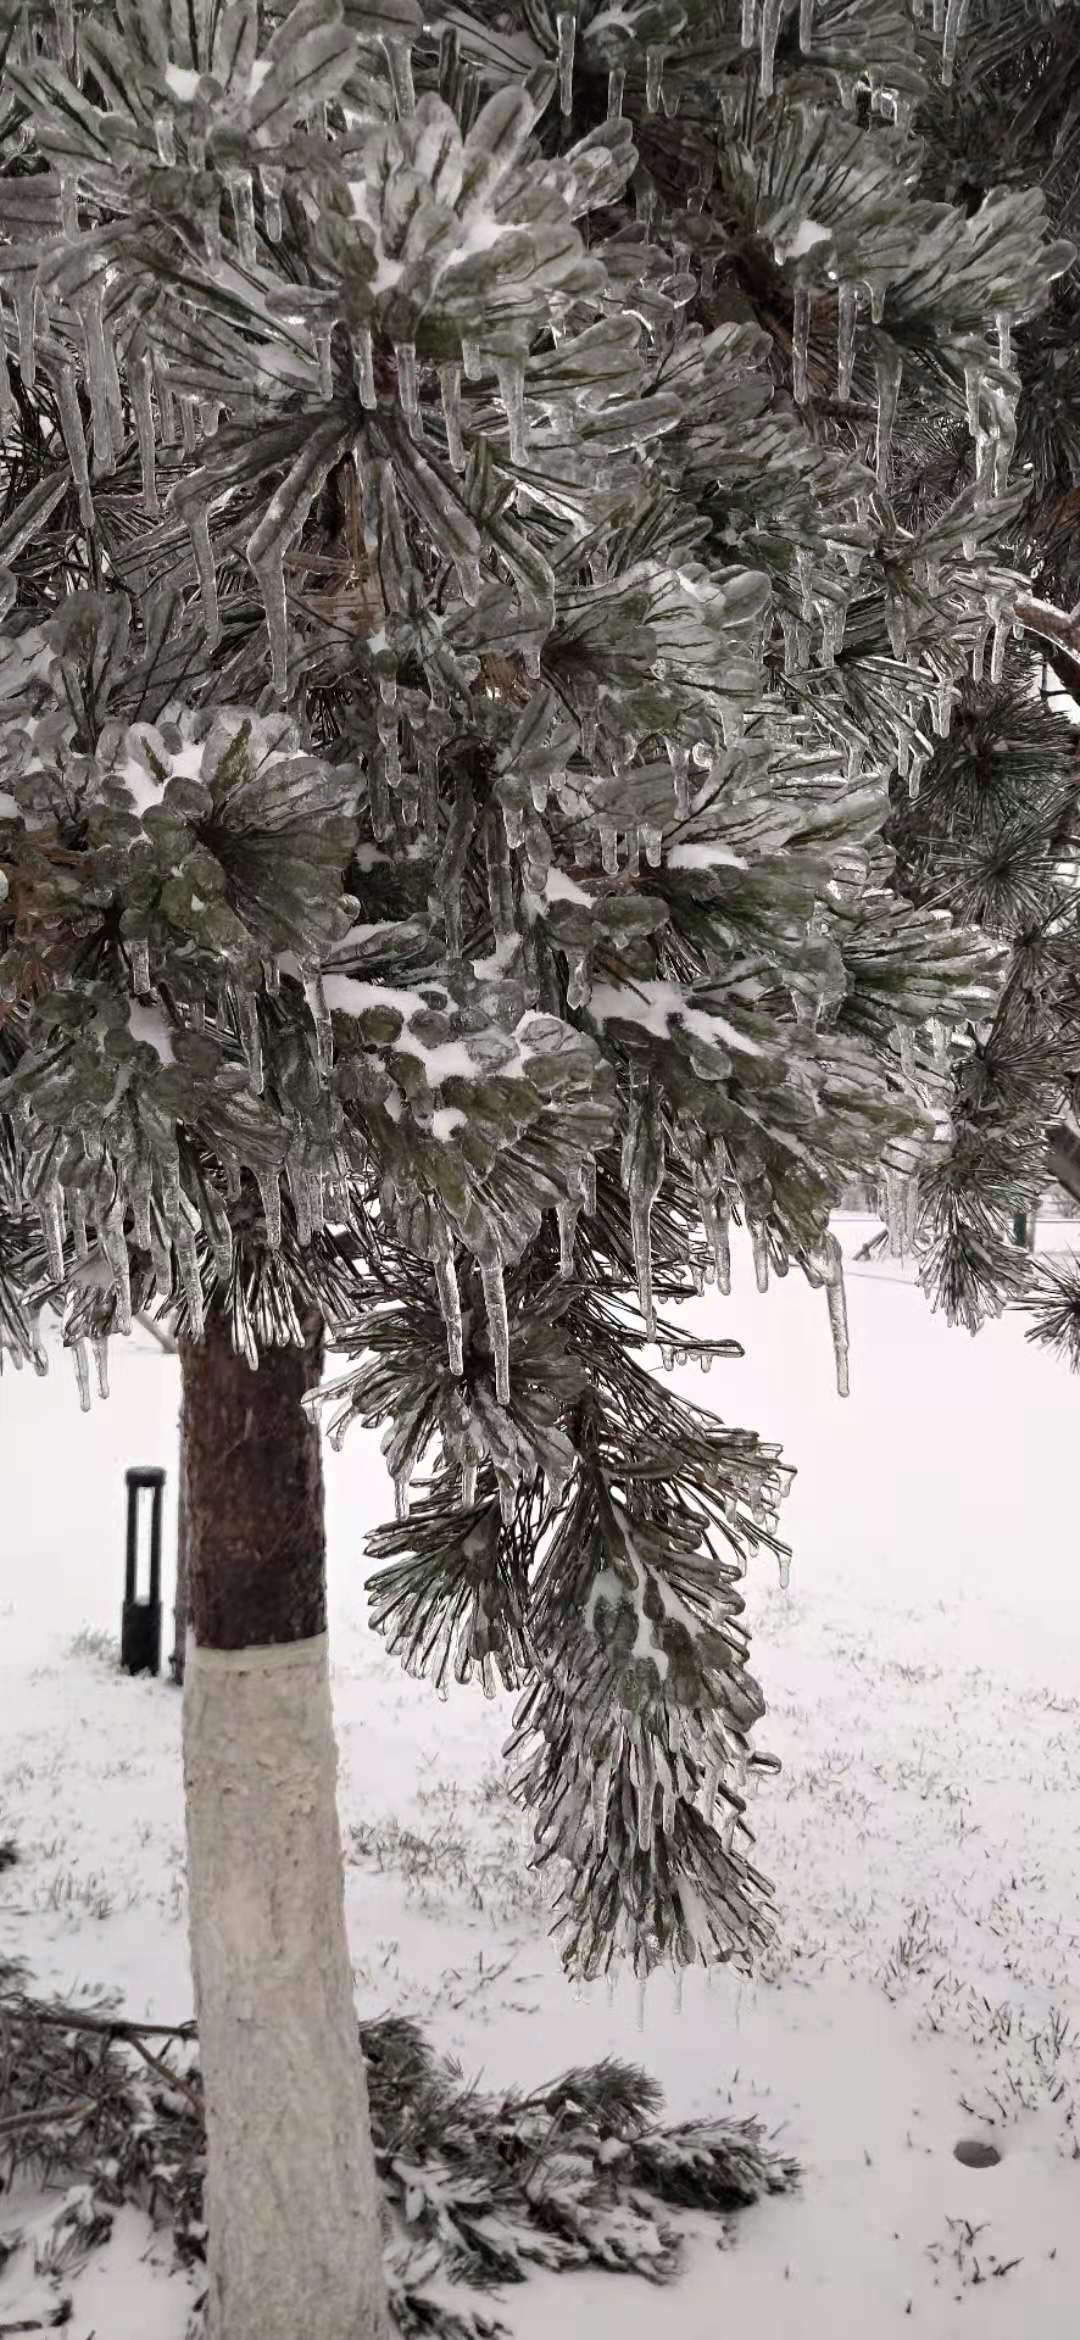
[783,1568]
[566,26]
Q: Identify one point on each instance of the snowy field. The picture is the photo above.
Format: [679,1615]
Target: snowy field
[923,1678]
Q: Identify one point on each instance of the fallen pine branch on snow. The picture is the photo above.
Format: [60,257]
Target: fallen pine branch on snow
[478,2188]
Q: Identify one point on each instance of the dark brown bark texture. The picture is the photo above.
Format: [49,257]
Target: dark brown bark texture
[252,1494]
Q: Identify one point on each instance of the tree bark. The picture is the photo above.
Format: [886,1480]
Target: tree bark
[180,1595]
[295,2242]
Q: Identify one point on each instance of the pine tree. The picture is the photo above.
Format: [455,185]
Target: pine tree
[464,615]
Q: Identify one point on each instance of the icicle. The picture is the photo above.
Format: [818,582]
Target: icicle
[161,1260]
[91,313]
[449,1297]
[140,967]
[510,374]
[81,1362]
[252,1038]
[760,1242]
[242,196]
[76,1203]
[567,1216]
[771,14]
[954,25]
[847,316]
[399,59]
[837,1303]
[616,91]
[269,1185]
[587,1175]
[609,845]
[652,843]
[888,369]
[1003,329]
[71,425]
[578,983]
[51,1208]
[643,1171]
[491,1277]
[272,183]
[806,25]
[566,26]
[749,23]
[800,334]
[408,380]
[101,1360]
[783,1559]
[141,378]
[1002,623]
[679,760]
[896,624]
[468,1485]
[198,526]
[324,358]
[450,387]
[364,366]
[471,359]
[654,79]
[188,1256]
[165,139]
[114,1245]
[323,1022]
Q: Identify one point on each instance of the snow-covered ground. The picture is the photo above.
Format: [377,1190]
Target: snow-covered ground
[923,1676]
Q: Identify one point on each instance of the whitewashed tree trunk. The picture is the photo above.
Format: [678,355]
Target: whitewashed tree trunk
[293,2202]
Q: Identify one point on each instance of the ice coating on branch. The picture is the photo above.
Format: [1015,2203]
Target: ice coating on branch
[567,1214]
[643,1175]
[616,92]
[197,517]
[141,377]
[71,425]
[51,1210]
[399,59]
[114,1245]
[748,26]
[190,1277]
[242,196]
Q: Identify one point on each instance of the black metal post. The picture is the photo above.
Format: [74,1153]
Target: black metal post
[140,1632]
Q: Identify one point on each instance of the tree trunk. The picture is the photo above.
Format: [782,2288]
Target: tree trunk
[180,1595]
[295,2243]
